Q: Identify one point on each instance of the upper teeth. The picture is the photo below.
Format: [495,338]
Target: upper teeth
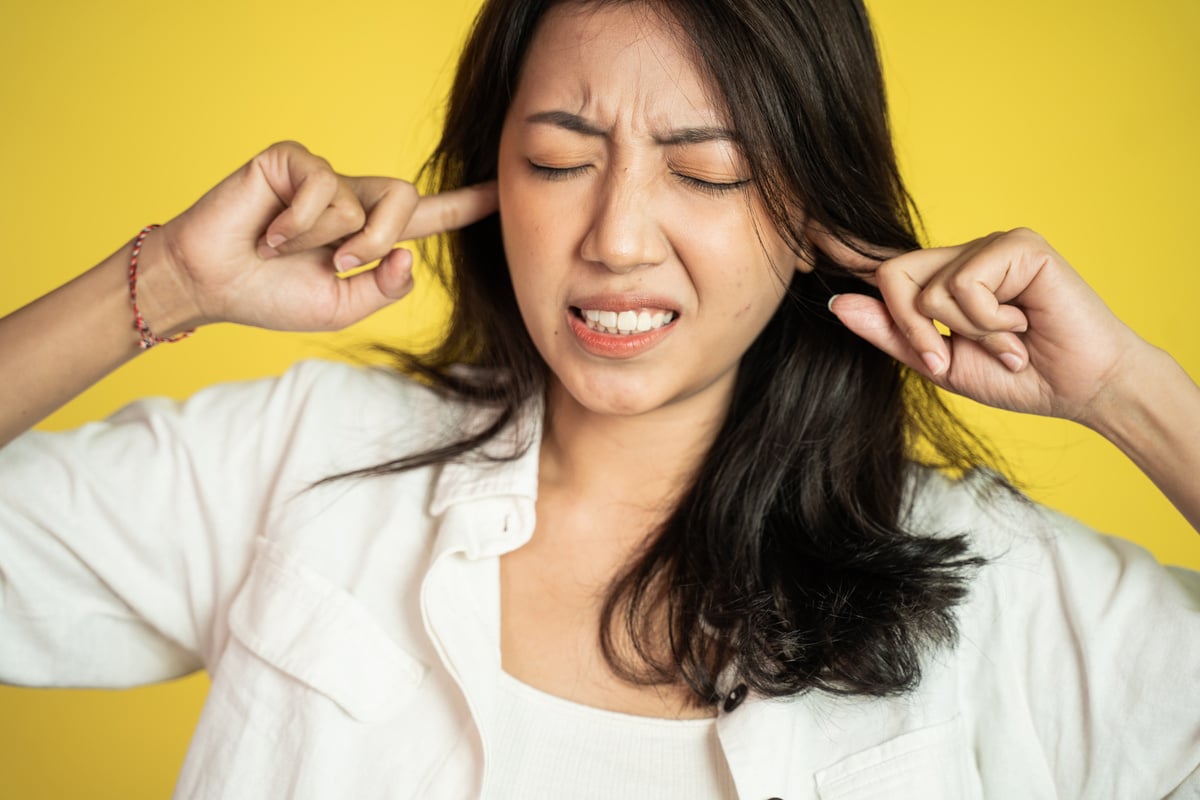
[626,321]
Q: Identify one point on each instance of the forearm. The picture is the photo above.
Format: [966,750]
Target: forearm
[62,343]
[1153,416]
[211,264]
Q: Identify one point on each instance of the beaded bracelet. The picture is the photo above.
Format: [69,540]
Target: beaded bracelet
[147,337]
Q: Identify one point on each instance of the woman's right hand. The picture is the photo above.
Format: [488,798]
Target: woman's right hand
[215,263]
[264,246]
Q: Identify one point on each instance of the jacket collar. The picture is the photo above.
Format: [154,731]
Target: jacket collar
[486,500]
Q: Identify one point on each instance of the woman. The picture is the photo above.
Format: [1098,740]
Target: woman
[715,503]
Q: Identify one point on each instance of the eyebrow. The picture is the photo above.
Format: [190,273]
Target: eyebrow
[577,124]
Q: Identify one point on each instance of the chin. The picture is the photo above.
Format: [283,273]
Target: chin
[620,407]
[617,396]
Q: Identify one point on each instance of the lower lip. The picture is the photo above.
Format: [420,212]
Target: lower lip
[615,345]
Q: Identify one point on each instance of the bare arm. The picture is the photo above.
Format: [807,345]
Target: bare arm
[213,264]
[58,345]
[62,343]
[1152,413]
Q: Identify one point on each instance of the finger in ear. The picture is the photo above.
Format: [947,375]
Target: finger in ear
[849,252]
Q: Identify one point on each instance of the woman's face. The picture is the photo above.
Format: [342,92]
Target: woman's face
[642,262]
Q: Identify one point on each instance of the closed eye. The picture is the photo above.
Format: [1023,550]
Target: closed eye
[714,188]
[558,173]
[711,187]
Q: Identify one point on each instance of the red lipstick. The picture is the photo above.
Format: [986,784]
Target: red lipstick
[615,345]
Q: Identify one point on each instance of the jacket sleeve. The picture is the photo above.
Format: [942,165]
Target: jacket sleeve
[122,542]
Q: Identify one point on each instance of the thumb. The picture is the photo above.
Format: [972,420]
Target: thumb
[372,290]
[869,319]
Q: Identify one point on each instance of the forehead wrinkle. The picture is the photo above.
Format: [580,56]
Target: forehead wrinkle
[662,57]
[601,114]
[707,106]
[663,42]
[578,123]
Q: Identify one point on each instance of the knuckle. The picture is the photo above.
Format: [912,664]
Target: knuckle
[1029,246]
[349,216]
[1027,239]
[322,178]
[287,146]
[404,191]
[961,283]
[402,195]
[886,269]
[1022,232]
[889,276]
[929,303]
[282,152]
[374,240]
[912,331]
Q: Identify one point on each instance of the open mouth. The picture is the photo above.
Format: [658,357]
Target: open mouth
[626,322]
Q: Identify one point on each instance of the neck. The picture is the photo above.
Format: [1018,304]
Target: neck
[644,459]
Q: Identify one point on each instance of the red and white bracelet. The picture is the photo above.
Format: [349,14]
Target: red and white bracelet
[148,339]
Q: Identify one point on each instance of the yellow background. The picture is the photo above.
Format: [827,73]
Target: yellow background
[1076,118]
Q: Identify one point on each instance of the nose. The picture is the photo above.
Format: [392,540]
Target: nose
[625,232]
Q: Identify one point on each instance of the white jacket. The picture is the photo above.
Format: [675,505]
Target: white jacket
[352,629]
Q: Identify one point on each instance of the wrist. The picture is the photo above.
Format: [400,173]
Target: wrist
[161,294]
[1135,409]
[1153,415]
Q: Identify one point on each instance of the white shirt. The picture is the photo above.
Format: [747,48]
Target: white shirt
[544,744]
[352,629]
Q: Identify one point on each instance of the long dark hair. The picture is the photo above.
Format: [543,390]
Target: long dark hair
[788,559]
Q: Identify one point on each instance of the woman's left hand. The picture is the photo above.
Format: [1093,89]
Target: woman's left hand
[1026,332]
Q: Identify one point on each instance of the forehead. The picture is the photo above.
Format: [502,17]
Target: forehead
[617,64]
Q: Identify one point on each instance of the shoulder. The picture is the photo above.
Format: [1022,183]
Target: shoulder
[1009,529]
[1019,538]
[1070,634]
[320,405]
[344,389]
[1049,579]
[313,386]
[319,418]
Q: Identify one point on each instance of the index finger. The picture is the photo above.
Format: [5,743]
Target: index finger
[851,253]
[448,211]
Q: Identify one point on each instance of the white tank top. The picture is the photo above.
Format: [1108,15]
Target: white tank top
[547,747]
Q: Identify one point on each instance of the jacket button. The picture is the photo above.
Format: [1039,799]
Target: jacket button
[735,697]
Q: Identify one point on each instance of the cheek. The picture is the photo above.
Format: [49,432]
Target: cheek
[750,294]
[725,234]
[527,219]
[743,280]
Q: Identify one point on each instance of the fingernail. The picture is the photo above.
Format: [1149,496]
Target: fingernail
[934,362]
[1013,361]
[829,305]
[346,262]
[275,239]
